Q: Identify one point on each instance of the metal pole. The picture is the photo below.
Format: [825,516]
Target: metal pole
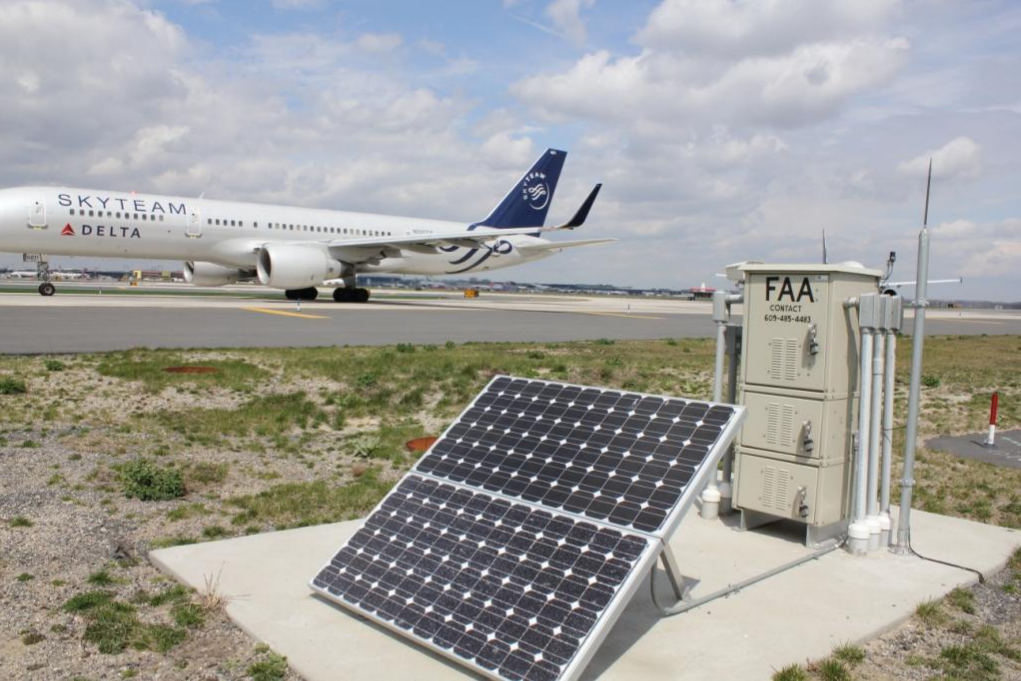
[907,482]
[884,487]
[875,425]
[726,486]
[858,532]
[711,494]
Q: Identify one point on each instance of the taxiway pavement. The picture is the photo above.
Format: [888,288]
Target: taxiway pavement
[89,319]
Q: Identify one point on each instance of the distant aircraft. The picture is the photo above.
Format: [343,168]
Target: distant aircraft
[294,249]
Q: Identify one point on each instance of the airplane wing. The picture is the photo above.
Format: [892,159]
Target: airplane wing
[554,245]
[376,248]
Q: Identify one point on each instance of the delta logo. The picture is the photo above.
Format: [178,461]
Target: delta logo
[68,230]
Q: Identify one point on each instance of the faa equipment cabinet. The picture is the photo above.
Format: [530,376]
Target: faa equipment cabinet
[799,369]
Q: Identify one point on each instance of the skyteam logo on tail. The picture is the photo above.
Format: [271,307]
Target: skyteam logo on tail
[535,191]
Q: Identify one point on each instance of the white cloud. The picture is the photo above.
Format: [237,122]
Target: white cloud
[505,151]
[731,29]
[959,158]
[801,87]
[297,4]
[566,17]
[379,43]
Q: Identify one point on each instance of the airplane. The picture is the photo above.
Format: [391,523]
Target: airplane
[282,247]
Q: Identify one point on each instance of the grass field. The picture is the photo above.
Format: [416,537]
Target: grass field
[285,438]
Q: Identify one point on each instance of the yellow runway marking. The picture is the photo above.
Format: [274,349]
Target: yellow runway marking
[616,314]
[284,313]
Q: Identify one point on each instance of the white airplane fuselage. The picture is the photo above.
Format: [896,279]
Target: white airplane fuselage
[92,223]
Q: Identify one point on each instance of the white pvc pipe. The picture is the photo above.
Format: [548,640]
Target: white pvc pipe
[875,425]
[858,532]
[890,370]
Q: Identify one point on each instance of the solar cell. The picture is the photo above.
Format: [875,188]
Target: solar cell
[624,458]
[509,589]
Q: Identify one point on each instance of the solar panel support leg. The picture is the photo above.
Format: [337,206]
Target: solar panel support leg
[673,573]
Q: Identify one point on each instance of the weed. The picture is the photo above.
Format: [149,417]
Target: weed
[405,347]
[31,637]
[101,578]
[149,367]
[850,654]
[12,386]
[792,672]
[20,521]
[272,668]
[930,613]
[188,615]
[968,661]
[214,532]
[833,670]
[25,577]
[298,504]
[142,479]
[114,626]
[265,416]
[205,472]
[176,540]
[54,365]
[963,600]
[174,594]
[930,381]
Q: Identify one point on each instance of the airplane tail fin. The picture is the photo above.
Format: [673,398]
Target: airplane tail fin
[529,200]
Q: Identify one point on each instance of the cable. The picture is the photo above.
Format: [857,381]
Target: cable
[981,577]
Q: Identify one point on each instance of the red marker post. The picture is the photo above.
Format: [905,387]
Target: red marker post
[993,406]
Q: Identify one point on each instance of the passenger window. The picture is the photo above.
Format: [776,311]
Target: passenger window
[144,216]
[118,216]
[161,218]
[136,216]
[72,211]
[91,213]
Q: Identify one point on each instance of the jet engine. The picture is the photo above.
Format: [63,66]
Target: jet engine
[291,267]
[209,274]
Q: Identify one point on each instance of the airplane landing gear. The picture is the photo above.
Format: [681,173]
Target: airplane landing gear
[351,295]
[42,271]
[302,294]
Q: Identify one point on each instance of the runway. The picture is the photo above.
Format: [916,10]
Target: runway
[84,318]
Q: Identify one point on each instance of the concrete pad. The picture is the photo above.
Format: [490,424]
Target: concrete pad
[1006,451]
[795,616]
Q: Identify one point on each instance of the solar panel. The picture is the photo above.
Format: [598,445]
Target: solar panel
[520,536]
[508,589]
[624,458]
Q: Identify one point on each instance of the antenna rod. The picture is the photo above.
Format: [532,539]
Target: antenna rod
[928,185]
[903,544]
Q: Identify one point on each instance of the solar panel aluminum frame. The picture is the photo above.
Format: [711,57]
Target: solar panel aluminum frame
[693,489]
[591,643]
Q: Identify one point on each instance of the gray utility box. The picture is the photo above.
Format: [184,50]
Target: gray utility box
[799,370]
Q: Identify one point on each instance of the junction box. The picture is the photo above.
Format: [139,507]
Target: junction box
[799,369]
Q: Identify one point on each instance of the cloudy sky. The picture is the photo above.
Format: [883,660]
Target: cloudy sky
[723,130]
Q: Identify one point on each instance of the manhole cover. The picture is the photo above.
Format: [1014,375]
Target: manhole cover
[191,370]
[420,444]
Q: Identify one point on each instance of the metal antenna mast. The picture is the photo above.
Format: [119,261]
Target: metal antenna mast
[903,545]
